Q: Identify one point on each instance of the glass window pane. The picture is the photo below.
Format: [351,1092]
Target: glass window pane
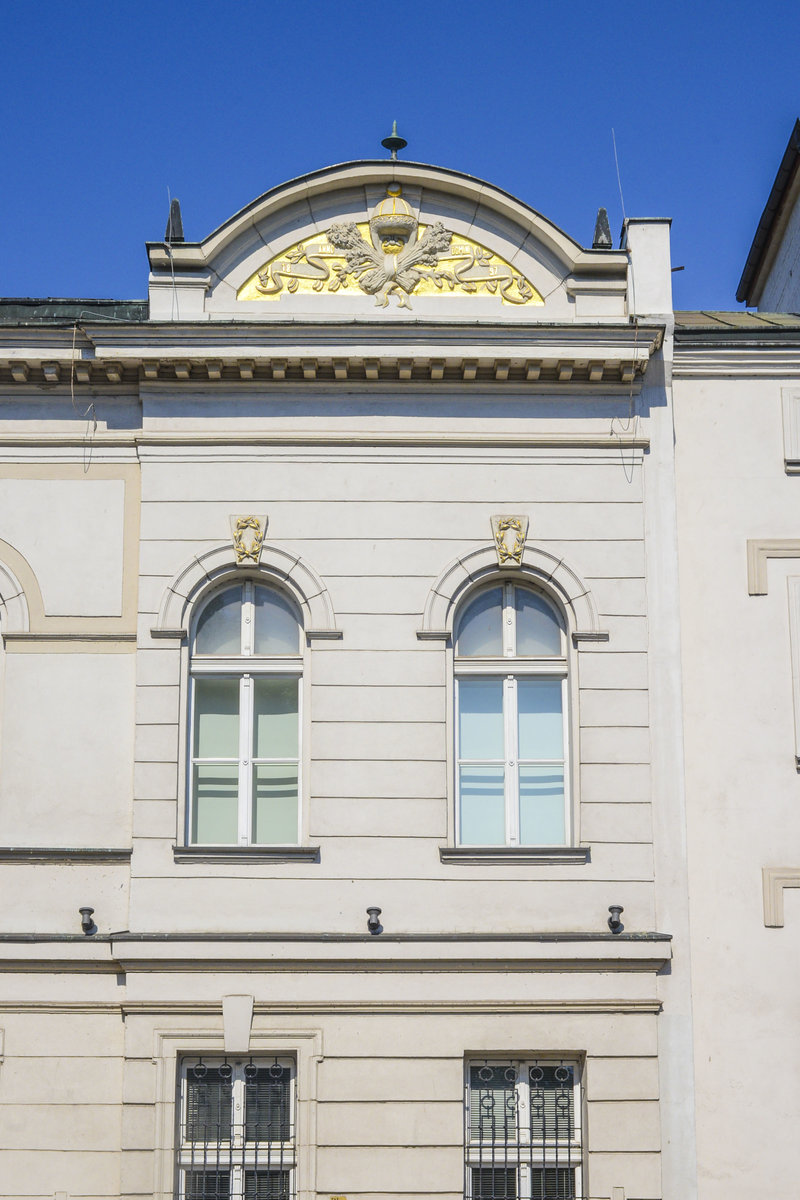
[275,805]
[483,807]
[208,1105]
[208,1185]
[538,627]
[553,1183]
[219,630]
[552,1102]
[493,1104]
[541,806]
[494,1183]
[277,630]
[541,727]
[480,630]
[266,1105]
[480,718]
[275,718]
[266,1185]
[216,718]
[215,811]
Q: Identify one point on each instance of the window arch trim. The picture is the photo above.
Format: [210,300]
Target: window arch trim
[215,566]
[539,568]
[14,609]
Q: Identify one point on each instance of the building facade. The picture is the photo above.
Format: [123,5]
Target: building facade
[355,619]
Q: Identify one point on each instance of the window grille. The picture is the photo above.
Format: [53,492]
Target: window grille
[523,1131]
[236,1136]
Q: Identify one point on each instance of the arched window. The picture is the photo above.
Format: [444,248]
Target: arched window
[244,753]
[512,779]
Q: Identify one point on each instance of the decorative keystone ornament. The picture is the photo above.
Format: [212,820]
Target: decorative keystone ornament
[509,539]
[248,534]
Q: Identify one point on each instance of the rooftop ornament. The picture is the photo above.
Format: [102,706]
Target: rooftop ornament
[394,142]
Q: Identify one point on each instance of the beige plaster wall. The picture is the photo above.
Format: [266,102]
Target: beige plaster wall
[742,784]
[66,769]
[57,524]
[379,526]
[88,1084]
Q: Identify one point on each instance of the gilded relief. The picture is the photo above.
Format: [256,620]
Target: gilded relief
[509,539]
[248,533]
[390,255]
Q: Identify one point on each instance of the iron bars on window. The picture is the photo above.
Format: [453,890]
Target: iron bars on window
[237,1136]
[523,1131]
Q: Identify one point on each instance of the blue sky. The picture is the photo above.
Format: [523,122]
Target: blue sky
[110,105]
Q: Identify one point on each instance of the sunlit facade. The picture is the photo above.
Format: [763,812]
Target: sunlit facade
[398,754]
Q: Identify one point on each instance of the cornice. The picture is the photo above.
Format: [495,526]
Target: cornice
[602,355]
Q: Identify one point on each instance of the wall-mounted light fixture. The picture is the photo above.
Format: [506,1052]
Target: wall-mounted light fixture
[614,923]
[374,920]
[87,924]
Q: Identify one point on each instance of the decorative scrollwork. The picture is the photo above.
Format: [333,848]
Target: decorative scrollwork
[390,255]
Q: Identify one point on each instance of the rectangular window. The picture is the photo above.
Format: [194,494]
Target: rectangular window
[523,1130]
[511,765]
[245,759]
[236,1135]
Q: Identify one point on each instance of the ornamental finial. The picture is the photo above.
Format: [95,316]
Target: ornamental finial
[393,142]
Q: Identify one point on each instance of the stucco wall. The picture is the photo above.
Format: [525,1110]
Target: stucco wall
[741,778]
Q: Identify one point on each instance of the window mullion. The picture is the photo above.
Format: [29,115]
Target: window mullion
[248,618]
[525,1167]
[245,755]
[511,764]
[565,742]
[509,622]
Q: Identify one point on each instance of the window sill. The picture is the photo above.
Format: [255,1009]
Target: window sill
[541,856]
[243,854]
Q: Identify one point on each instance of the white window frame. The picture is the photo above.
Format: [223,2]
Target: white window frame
[235,1155]
[244,667]
[513,1156]
[493,667]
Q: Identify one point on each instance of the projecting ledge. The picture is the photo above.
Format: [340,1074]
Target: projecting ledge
[472,953]
[544,856]
[246,854]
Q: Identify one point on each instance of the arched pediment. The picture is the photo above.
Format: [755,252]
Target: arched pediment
[276,565]
[537,565]
[368,239]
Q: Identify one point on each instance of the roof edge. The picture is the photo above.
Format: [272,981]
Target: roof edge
[196,256]
[759,249]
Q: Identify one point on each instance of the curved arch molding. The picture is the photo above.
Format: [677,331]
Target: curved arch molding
[539,566]
[14,611]
[302,581]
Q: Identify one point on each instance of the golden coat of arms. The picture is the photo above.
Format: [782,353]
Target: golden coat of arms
[391,255]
